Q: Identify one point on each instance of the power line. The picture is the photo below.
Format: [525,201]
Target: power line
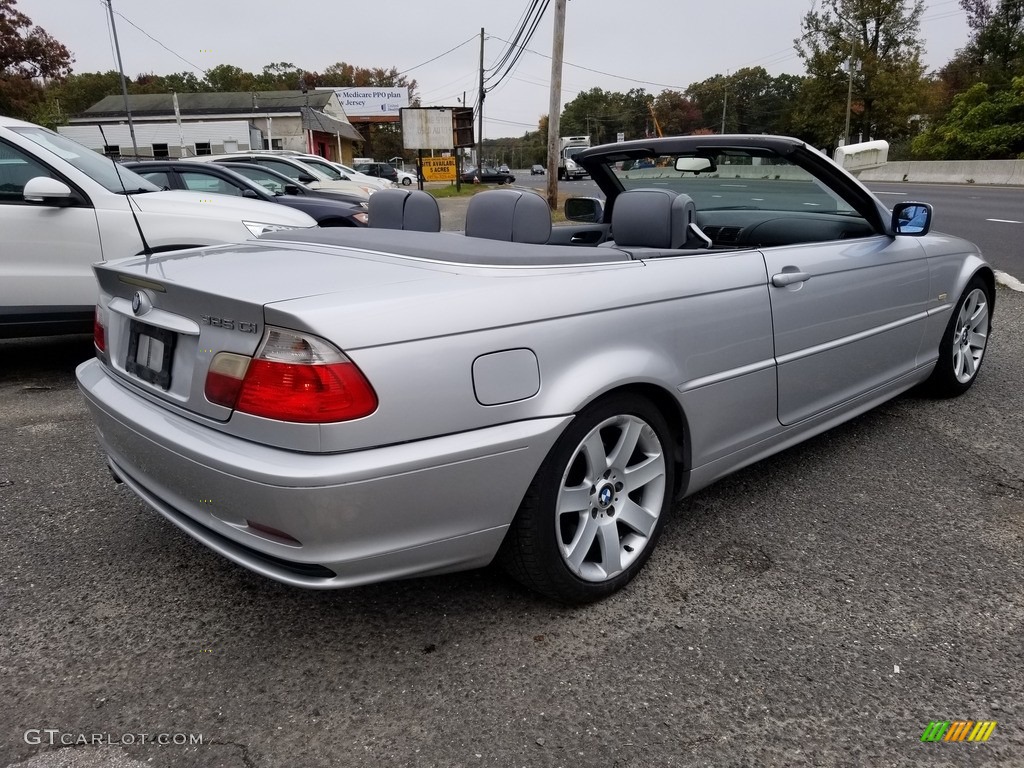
[510,59]
[440,55]
[174,53]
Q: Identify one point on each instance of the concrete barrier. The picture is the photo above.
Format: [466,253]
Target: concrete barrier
[1004,172]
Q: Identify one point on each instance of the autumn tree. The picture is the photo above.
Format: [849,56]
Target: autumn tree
[27,55]
[229,78]
[602,114]
[882,40]
[677,115]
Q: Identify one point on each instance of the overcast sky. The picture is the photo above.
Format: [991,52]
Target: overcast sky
[650,44]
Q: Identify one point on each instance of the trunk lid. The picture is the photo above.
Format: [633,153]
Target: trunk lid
[168,315]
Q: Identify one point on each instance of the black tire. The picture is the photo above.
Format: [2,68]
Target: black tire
[572,556]
[964,341]
[406,181]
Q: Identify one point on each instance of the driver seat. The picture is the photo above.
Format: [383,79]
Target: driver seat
[656,219]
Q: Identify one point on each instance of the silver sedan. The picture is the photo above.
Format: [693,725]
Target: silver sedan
[332,408]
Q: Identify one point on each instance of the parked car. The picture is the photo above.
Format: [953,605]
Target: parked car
[292,168]
[405,178]
[380,170]
[279,184]
[63,207]
[742,307]
[224,179]
[487,176]
[537,170]
[337,172]
[348,170]
[503,168]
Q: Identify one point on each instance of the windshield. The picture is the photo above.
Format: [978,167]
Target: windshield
[731,179]
[100,169]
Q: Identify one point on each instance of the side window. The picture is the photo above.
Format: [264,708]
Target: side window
[290,171]
[16,168]
[201,182]
[265,180]
[160,178]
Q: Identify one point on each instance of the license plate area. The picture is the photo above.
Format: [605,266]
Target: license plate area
[150,352]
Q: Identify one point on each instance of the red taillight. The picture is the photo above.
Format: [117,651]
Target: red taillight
[99,333]
[306,393]
[294,377]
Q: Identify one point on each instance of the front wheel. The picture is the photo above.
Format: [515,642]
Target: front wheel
[594,511]
[963,342]
[406,181]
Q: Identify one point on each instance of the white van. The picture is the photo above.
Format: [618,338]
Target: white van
[64,207]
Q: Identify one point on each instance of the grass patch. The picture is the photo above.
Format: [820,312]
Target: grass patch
[468,190]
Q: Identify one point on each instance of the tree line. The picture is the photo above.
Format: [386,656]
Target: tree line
[862,64]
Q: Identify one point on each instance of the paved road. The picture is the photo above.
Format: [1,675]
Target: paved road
[819,608]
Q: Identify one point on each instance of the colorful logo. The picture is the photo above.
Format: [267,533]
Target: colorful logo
[958,730]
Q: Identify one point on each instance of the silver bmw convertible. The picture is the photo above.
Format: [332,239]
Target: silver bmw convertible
[337,407]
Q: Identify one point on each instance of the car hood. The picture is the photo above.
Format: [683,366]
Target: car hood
[177,202]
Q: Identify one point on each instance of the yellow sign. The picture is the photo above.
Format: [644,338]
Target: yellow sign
[439,169]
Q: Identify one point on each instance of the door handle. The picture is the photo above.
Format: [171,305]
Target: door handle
[783,279]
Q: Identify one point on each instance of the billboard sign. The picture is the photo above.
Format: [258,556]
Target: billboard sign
[427,128]
[372,102]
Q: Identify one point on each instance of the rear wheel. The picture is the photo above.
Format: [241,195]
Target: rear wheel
[963,342]
[594,511]
[406,181]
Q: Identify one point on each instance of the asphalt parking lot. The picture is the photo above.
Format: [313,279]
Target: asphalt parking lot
[820,608]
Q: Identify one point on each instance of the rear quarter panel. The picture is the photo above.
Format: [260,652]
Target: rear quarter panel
[693,326]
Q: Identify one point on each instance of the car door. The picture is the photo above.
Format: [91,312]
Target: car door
[47,249]
[848,317]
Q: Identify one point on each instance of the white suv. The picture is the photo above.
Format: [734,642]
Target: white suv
[64,207]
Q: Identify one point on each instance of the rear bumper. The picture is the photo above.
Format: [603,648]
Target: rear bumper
[425,507]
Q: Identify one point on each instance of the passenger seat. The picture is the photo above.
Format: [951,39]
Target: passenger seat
[409,209]
[510,215]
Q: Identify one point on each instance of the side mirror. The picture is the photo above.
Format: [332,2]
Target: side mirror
[250,194]
[911,218]
[306,178]
[43,189]
[291,189]
[584,209]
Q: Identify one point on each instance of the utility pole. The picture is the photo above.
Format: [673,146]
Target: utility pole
[555,102]
[725,98]
[480,106]
[849,72]
[124,85]
[849,98]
